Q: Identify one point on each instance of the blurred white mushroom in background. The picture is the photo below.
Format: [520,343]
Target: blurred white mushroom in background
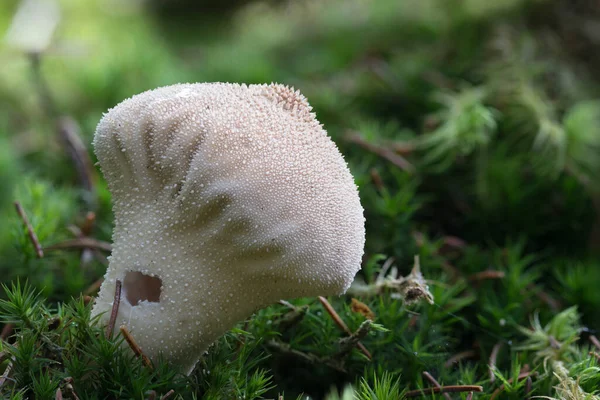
[33,25]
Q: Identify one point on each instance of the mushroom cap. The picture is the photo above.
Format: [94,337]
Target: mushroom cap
[227,198]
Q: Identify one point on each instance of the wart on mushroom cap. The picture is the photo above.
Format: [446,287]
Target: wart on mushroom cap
[226,198]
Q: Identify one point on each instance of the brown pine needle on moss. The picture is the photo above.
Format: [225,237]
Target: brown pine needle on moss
[435,383]
[485,275]
[595,341]
[493,358]
[383,152]
[6,331]
[135,347]
[444,389]
[342,325]
[30,232]
[115,310]
[81,243]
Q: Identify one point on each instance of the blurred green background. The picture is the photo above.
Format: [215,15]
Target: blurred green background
[472,129]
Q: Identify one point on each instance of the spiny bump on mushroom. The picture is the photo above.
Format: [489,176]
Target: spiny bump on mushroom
[226,198]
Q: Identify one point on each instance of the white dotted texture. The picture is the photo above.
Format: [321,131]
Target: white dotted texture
[235,197]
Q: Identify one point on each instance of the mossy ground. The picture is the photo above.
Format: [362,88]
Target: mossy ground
[472,129]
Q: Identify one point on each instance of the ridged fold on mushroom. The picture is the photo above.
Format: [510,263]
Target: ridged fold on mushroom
[226,198]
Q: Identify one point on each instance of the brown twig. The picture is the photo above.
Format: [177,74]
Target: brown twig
[383,152]
[376,178]
[168,395]
[66,127]
[115,309]
[469,396]
[595,341]
[444,389]
[485,275]
[493,358]
[459,357]
[435,383]
[69,132]
[135,347]
[6,331]
[81,243]
[58,395]
[528,386]
[32,236]
[342,325]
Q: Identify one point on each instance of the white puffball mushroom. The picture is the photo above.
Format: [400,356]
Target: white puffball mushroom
[227,198]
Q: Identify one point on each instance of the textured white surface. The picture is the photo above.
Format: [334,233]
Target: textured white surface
[235,197]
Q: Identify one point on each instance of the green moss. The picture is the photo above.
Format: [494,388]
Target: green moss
[490,104]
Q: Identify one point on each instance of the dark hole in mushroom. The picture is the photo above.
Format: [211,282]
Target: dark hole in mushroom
[140,287]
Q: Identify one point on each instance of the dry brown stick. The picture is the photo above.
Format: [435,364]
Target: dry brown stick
[32,236]
[58,395]
[493,358]
[137,350]
[459,357]
[528,386]
[168,395]
[444,389]
[435,383]
[376,178]
[383,152]
[484,275]
[342,325]
[115,309]
[88,224]
[81,243]
[595,341]
[69,132]
[469,396]
[6,331]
